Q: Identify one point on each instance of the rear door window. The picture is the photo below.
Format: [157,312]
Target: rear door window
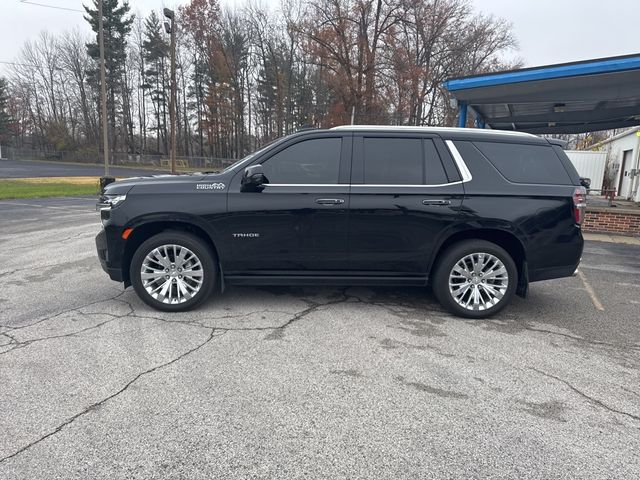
[434,171]
[521,163]
[402,161]
[393,161]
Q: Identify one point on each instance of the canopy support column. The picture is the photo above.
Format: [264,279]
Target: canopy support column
[462,114]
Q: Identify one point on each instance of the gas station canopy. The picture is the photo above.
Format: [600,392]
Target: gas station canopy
[575,97]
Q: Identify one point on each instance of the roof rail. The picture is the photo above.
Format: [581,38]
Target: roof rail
[430,129]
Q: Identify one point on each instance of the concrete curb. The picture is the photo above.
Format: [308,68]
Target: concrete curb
[614,210]
[604,237]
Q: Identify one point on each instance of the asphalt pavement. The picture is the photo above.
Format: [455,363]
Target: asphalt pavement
[279,382]
[34,168]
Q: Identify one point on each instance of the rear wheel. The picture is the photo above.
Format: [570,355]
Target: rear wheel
[475,279]
[173,271]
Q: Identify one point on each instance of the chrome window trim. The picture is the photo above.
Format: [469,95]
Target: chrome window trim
[369,185]
[462,167]
[464,171]
[305,184]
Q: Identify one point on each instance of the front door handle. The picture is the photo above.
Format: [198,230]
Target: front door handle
[436,202]
[330,201]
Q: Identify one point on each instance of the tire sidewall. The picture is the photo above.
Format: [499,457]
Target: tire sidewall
[193,243]
[451,256]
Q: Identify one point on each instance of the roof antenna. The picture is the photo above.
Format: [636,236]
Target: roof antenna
[353,113]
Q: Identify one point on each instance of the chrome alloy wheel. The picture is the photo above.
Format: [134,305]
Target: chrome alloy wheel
[478,281]
[171,274]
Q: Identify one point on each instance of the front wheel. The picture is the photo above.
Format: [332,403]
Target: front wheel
[475,279]
[173,271]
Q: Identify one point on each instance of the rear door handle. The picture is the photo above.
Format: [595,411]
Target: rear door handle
[436,202]
[330,201]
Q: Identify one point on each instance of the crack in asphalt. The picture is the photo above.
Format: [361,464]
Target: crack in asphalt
[392,308]
[589,398]
[31,267]
[396,308]
[200,323]
[399,308]
[99,403]
[11,272]
[312,307]
[11,338]
[585,340]
[16,344]
[50,317]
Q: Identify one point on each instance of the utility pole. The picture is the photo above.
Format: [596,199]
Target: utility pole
[171,28]
[103,91]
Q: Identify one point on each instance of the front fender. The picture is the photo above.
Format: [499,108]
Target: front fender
[177,218]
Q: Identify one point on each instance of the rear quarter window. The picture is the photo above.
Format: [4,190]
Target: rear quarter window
[568,166]
[521,163]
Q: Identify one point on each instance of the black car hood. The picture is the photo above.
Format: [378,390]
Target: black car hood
[162,181]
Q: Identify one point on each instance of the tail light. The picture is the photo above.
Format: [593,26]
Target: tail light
[579,204]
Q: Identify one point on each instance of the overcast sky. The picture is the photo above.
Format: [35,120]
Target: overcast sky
[548,31]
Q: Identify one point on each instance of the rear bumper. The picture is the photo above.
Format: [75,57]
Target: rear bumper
[562,259]
[114,273]
[555,272]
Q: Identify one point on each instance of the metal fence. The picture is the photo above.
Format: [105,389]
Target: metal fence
[117,159]
[589,164]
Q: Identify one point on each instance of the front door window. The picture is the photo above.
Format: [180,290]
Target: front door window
[310,162]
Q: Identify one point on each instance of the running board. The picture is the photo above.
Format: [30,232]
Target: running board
[323,280]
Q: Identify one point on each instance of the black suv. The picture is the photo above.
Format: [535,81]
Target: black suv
[476,214]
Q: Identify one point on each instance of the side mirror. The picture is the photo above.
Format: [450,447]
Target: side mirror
[253,179]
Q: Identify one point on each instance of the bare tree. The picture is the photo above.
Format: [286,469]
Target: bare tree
[74,59]
[251,74]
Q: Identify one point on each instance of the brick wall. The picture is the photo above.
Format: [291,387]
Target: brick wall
[624,222]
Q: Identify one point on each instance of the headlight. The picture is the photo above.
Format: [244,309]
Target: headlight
[107,201]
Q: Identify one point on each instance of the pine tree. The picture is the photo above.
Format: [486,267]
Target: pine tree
[117,26]
[156,52]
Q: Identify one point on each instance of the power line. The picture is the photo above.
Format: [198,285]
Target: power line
[18,64]
[28,2]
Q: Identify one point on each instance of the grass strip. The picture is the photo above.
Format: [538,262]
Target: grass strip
[48,187]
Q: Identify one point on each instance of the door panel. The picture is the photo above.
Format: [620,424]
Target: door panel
[624,189]
[394,228]
[294,232]
[396,232]
[292,226]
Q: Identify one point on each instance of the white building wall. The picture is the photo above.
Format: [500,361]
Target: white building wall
[590,165]
[615,149]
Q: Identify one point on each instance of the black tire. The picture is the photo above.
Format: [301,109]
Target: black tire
[444,267]
[203,253]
